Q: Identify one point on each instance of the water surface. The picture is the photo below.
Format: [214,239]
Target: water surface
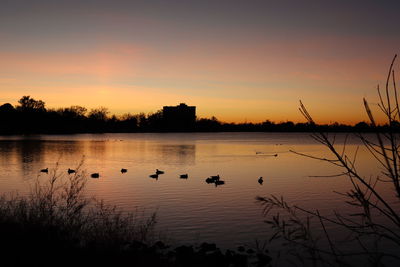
[188,210]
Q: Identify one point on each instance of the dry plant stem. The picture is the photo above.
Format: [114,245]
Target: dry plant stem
[375,226]
[59,206]
[341,162]
[301,234]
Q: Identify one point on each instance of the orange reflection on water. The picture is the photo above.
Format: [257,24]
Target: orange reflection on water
[190,209]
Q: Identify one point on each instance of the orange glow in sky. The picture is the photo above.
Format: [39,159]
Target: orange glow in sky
[236,62]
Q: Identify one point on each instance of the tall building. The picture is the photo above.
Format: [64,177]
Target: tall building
[179,118]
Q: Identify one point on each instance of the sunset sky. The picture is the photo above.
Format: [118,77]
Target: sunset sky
[241,61]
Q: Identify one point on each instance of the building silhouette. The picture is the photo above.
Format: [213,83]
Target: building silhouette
[179,118]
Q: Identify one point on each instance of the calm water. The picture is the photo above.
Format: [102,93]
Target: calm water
[188,210]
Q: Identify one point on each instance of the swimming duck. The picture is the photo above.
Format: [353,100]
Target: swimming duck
[209,180]
[215,177]
[159,172]
[154,176]
[219,182]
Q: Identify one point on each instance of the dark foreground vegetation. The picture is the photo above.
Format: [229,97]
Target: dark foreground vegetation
[364,231]
[31,116]
[58,225]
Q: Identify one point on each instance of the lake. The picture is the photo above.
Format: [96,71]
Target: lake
[189,210]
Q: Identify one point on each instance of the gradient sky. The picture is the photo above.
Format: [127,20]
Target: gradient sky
[238,60]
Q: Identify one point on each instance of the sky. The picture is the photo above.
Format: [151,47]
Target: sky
[241,61]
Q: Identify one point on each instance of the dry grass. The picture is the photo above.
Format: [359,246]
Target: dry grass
[58,218]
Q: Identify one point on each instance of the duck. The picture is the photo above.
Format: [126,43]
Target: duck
[95,175]
[209,180]
[219,182]
[45,170]
[124,170]
[71,171]
[215,177]
[159,172]
[260,180]
[154,176]
[183,176]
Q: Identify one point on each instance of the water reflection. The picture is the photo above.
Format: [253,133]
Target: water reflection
[97,148]
[26,153]
[33,155]
[178,154]
[191,209]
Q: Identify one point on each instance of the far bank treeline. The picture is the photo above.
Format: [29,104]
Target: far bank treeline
[31,116]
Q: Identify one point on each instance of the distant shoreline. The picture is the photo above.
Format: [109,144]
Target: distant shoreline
[323,129]
[32,117]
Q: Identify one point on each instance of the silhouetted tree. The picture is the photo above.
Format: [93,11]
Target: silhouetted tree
[29,104]
[99,114]
[142,120]
[212,124]
[75,111]
[155,121]
[128,122]
[6,108]
[8,118]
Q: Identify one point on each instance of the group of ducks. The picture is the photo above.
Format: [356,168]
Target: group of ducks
[97,175]
[158,172]
[155,176]
[210,180]
[214,180]
[70,171]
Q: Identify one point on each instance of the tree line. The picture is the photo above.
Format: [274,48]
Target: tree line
[31,116]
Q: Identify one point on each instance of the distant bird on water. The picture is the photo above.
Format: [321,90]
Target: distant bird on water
[95,175]
[183,176]
[159,171]
[71,171]
[209,180]
[260,180]
[155,176]
[215,177]
[45,170]
[124,170]
[218,182]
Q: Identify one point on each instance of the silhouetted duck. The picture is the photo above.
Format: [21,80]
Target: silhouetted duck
[260,180]
[124,170]
[154,176]
[95,175]
[275,155]
[71,171]
[183,176]
[215,177]
[159,172]
[209,180]
[219,182]
[45,170]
